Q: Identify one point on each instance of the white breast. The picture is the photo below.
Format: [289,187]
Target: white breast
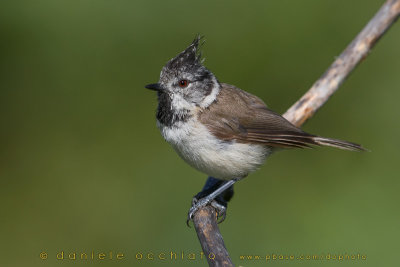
[203,151]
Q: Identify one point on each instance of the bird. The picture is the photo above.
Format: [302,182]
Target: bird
[219,129]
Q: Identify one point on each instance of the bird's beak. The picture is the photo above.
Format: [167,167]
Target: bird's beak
[155,87]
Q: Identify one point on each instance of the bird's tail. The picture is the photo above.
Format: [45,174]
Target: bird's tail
[338,144]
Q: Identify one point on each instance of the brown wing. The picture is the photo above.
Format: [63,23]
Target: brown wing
[240,116]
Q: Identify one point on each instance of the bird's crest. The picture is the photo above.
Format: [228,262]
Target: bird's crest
[191,56]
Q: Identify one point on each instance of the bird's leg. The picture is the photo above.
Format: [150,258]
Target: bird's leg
[216,192]
[210,186]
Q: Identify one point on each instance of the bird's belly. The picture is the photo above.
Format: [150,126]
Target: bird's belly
[220,159]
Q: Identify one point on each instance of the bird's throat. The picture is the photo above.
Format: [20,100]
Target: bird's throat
[167,114]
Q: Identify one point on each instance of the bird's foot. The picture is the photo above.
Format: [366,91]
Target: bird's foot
[216,193]
[219,206]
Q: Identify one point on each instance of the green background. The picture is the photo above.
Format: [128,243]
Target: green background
[83,167]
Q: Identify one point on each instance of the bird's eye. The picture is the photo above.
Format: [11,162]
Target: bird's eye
[183,83]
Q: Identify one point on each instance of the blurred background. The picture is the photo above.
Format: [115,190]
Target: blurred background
[83,167]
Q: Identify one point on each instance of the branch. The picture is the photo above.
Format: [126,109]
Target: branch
[204,220]
[205,223]
[357,50]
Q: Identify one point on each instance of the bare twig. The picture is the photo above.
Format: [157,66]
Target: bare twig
[205,221]
[357,50]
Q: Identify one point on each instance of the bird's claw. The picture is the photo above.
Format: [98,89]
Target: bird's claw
[221,211]
[200,203]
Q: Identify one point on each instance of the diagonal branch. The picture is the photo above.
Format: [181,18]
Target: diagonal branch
[205,221]
[357,50]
